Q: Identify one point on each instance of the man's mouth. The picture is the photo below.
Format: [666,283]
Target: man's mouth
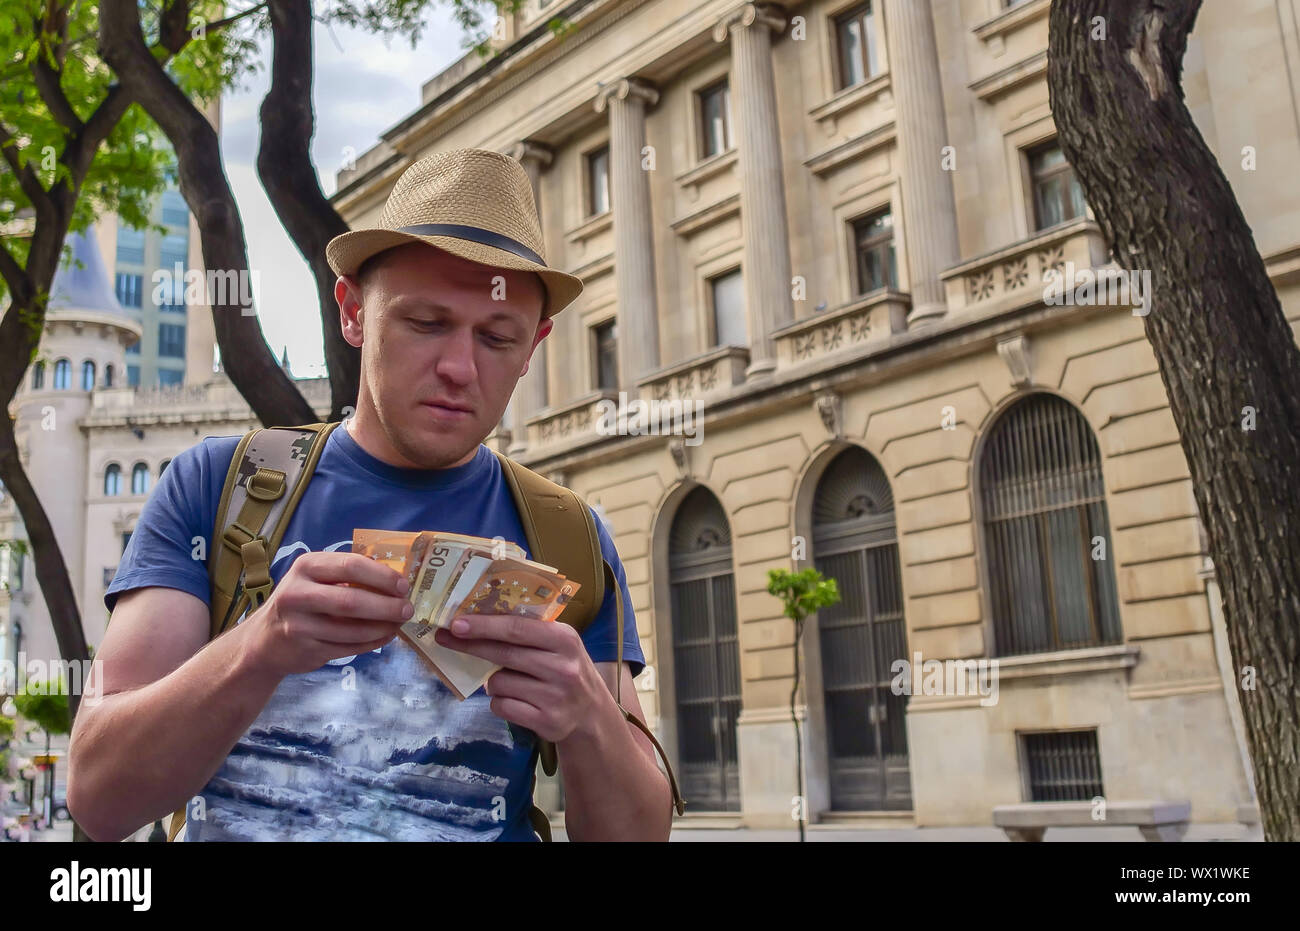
[448,408]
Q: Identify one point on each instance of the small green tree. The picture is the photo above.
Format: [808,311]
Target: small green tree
[801,594]
[45,704]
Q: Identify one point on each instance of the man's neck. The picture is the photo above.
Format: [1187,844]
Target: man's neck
[384,452]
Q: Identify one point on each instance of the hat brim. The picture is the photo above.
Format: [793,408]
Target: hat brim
[347,252]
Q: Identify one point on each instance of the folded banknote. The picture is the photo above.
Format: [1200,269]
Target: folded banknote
[452,575]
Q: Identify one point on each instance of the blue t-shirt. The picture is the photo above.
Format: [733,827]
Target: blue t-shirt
[370,747]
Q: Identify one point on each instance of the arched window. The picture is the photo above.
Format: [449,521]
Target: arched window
[88,375]
[108,375]
[38,376]
[63,374]
[855,542]
[139,479]
[162,466]
[113,479]
[1046,531]
[706,652]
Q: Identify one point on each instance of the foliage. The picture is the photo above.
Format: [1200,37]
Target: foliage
[128,171]
[802,593]
[46,705]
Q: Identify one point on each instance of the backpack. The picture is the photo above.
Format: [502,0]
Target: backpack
[267,478]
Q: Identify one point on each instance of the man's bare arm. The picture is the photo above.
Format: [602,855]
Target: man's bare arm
[613,787]
[172,708]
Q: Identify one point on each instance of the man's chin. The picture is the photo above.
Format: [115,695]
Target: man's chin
[439,448]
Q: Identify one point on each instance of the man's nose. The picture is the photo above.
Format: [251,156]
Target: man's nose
[456,357]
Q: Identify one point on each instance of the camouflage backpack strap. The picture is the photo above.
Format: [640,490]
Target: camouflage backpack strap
[266,479]
[561,532]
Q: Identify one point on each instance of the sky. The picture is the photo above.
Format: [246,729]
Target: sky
[364,84]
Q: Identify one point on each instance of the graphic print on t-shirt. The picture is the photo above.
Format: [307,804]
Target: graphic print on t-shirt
[368,747]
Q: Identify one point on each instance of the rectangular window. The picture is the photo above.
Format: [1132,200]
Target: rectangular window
[598,181]
[129,289]
[715,119]
[175,212]
[130,245]
[126,539]
[1057,194]
[133,376]
[727,294]
[873,246]
[175,251]
[855,35]
[1062,767]
[606,337]
[170,376]
[171,340]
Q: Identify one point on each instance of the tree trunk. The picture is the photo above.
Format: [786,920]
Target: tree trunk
[47,558]
[1218,333]
[247,359]
[284,164]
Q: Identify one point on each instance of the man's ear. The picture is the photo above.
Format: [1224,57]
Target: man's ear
[543,329]
[347,291]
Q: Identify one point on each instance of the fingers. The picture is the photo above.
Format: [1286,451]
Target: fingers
[346,631]
[347,602]
[354,569]
[348,648]
[534,661]
[514,628]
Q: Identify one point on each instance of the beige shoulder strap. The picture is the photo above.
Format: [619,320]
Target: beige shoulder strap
[266,479]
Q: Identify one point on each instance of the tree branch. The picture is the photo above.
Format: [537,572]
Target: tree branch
[48,84]
[284,165]
[27,178]
[252,368]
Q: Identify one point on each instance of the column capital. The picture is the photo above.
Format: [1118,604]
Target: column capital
[637,88]
[526,149]
[764,14]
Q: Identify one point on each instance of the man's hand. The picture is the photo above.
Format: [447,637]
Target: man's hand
[549,684]
[328,605]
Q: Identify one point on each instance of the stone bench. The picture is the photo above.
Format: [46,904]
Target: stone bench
[1158,821]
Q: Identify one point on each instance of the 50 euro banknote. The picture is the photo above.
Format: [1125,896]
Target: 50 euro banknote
[453,575]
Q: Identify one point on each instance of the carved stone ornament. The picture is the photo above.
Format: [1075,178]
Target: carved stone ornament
[677,446]
[1014,351]
[626,88]
[830,408]
[767,14]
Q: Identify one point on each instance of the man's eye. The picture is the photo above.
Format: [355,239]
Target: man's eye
[496,340]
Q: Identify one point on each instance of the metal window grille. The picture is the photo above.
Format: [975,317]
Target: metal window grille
[1062,767]
[1047,535]
[855,543]
[706,654]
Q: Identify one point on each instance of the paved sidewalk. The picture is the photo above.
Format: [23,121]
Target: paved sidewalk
[820,833]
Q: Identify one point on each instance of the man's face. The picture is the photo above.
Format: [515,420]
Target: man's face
[443,342]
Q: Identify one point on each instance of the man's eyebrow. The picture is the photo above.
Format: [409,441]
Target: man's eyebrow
[417,303]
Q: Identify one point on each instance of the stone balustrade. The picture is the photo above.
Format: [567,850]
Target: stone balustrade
[708,375]
[1016,275]
[865,320]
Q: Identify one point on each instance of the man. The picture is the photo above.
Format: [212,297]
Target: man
[309,720]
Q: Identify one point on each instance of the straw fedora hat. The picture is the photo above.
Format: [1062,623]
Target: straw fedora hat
[473,203]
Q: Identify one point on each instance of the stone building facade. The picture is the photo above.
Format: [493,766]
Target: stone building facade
[837,226]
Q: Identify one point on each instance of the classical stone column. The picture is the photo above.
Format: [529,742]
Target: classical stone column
[634,257]
[762,186]
[530,394]
[929,208]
